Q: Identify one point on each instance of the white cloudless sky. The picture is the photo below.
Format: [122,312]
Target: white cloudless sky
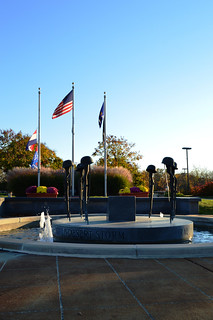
[153,59]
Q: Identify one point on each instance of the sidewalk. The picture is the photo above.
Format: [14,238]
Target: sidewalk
[48,287]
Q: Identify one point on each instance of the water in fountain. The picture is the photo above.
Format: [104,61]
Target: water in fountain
[45,228]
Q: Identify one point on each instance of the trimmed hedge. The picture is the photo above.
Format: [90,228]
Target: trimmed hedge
[19,179]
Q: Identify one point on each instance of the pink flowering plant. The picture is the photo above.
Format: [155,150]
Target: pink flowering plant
[31,189]
[52,190]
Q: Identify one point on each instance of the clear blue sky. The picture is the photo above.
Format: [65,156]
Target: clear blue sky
[153,58]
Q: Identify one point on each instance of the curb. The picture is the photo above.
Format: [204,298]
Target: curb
[108,251]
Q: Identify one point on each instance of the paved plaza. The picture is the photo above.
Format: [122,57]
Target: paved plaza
[55,287]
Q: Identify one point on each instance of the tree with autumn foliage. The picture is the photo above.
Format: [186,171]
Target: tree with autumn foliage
[120,153]
[13,152]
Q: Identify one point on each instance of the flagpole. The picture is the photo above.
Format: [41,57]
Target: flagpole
[73,146]
[39,136]
[105,148]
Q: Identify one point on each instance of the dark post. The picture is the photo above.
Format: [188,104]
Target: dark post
[151,169]
[67,164]
[171,166]
[187,167]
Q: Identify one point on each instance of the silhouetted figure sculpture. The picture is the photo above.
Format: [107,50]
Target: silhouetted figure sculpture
[80,168]
[67,165]
[171,166]
[151,169]
[84,170]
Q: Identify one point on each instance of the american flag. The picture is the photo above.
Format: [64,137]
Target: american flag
[64,106]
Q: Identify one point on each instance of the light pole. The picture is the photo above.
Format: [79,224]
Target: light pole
[187,166]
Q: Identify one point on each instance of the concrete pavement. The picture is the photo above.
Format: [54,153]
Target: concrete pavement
[62,288]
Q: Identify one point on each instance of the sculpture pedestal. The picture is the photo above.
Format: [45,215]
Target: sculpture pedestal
[121,208]
[143,230]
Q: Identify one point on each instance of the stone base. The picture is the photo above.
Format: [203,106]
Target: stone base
[142,231]
[121,208]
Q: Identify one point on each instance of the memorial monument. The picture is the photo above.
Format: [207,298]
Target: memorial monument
[121,225]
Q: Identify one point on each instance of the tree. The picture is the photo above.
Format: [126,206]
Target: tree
[120,154]
[13,152]
[197,177]
[160,180]
[182,183]
[3,181]
[200,177]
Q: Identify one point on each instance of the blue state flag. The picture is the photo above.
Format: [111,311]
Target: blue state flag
[101,116]
[34,163]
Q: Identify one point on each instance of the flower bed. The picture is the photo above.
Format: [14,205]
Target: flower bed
[134,191]
[136,194]
[41,195]
[41,192]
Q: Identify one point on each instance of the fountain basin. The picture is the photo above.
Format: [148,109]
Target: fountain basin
[133,251]
[143,230]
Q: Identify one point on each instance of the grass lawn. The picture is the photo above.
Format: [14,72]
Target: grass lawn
[206,206]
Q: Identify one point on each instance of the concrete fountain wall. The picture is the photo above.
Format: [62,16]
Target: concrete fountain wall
[22,206]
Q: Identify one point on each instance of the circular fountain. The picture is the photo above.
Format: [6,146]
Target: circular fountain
[120,233]
[26,242]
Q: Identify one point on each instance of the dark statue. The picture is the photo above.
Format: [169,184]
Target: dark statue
[171,166]
[151,169]
[67,165]
[84,169]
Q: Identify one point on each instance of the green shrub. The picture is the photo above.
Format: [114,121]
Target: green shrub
[125,190]
[115,183]
[178,194]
